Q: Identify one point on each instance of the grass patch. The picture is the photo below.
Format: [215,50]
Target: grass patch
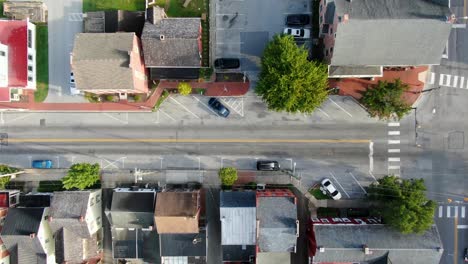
[328,212]
[50,186]
[318,194]
[195,8]
[161,99]
[42,63]
[1,8]
[103,5]
[160,3]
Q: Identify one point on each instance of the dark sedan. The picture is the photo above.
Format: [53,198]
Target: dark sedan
[227,63]
[218,107]
[297,20]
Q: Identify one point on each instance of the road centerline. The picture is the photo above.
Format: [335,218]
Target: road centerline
[182,140]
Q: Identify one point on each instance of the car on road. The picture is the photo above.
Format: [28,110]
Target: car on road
[218,107]
[297,20]
[298,32]
[268,165]
[42,164]
[227,63]
[73,89]
[330,189]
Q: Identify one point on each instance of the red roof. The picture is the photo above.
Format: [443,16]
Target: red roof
[4,199]
[4,95]
[14,34]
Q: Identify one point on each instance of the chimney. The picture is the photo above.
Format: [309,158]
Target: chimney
[82,219]
[33,235]
[321,249]
[366,250]
[161,37]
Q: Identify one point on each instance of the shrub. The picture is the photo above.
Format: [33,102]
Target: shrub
[228,176]
[184,88]
[110,97]
[137,97]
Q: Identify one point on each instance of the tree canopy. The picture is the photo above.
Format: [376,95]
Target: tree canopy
[4,169]
[405,206]
[184,88]
[228,176]
[81,176]
[288,81]
[385,100]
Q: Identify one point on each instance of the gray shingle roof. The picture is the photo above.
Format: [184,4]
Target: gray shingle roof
[390,32]
[179,47]
[71,248]
[353,71]
[277,229]
[182,244]
[237,199]
[22,221]
[344,243]
[238,218]
[136,244]
[101,61]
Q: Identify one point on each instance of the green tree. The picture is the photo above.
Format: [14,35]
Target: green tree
[4,169]
[184,88]
[228,176]
[288,81]
[385,100]
[4,181]
[405,206]
[81,176]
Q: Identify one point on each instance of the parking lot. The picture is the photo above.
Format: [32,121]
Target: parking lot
[243,28]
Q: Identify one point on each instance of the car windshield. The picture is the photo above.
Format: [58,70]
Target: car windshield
[301,32]
[326,183]
[334,193]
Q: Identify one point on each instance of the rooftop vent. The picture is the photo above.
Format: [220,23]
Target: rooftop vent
[366,250]
[161,37]
[321,249]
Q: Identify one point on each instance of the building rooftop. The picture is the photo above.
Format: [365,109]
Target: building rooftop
[238,218]
[173,245]
[177,212]
[35,10]
[114,21]
[344,243]
[238,253]
[22,221]
[14,35]
[132,209]
[135,244]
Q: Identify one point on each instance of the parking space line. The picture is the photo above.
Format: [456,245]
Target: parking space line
[115,118]
[181,105]
[323,112]
[339,184]
[18,118]
[205,106]
[160,110]
[393,141]
[358,182]
[393,150]
[394,133]
[340,107]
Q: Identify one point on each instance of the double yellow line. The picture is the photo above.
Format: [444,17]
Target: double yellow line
[181,140]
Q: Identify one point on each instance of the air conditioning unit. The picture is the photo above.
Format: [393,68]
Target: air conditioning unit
[321,249]
[261,186]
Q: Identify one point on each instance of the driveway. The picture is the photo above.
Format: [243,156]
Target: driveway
[243,28]
[64,21]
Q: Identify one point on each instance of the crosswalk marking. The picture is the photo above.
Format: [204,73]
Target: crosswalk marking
[431,81]
[441,79]
[393,141]
[463,212]
[462,80]
[394,133]
[394,159]
[448,211]
[455,81]
[394,167]
[441,211]
[394,151]
[393,124]
[456,211]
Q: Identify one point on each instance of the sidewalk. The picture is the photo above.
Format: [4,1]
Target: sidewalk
[213,88]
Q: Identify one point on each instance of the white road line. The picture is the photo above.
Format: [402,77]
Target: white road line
[431,81]
[441,79]
[466,87]
[441,211]
[339,184]
[393,159]
[394,133]
[455,81]
[160,110]
[115,118]
[19,118]
[448,211]
[357,182]
[181,105]
[449,77]
[394,167]
[216,114]
[371,157]
[394,124]
[393,150]
[462,226]
[323,112]
[340,107]
[456,211]
[393,141]
[1,118]
[463,212]
[462,80]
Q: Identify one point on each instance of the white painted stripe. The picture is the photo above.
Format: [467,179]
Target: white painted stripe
[333,175]
[455,81]
[463,212]
[431,81]
[186,109]
[441,211]
[466,86]
[393,167]
[340,107]
[394,159]
[462,80]
[394,133]
[449,77]
[441,79]
[456,211]
[462,226]
[358,182]
[394,142]
[393,124]
[394,151]
[448,211]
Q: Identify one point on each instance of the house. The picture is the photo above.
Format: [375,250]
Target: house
[109,63]
[361,37]
[17,58]
[35,10]
[76,222]
[27,236]
[238,225]
[114,21]
[9,198]
[375,243]
[131,217]
[277,226]
[182,238]
[171,46]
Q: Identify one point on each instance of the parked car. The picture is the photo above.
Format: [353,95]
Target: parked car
[218,107]
[42,164]
[297,20]
[73,89]
[298,32]
[227,63]
[330,189]
[268,165]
